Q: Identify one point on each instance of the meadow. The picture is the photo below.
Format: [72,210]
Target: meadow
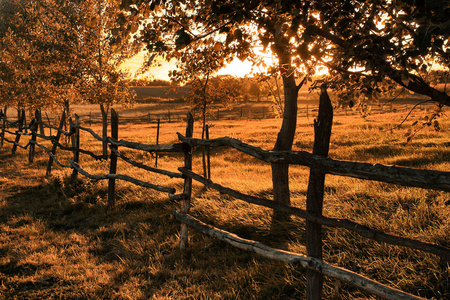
[58,242]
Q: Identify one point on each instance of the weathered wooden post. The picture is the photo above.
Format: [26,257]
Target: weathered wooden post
[55,142]
[75,144]
[19,130]
[40,122]
[157,142]
[314,200]
[3,127]
[208,153]
[49,122]
[113,158]
[186,202]
[34,129]
[24,124]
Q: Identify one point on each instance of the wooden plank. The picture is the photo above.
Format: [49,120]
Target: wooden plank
[312,263]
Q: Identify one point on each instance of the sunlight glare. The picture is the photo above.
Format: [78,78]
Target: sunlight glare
[236,68]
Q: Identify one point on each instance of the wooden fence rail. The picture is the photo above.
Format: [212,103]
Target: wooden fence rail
[430,179]
[74,133]
[307,262]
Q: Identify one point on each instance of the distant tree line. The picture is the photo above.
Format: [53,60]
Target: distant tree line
[148,81]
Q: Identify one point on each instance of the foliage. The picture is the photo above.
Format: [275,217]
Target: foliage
[55,52]
[219,89]
[102,54]
[38,53]
[148,81]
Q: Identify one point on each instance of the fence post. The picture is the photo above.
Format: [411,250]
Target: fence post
[40,121]
[314,200]
[157,142]
[205,174]
[186,202]
[75,144]
[113,158]
[25,125]
[19,130]
[34,130]
[3,127]
[208,153]
[55,142]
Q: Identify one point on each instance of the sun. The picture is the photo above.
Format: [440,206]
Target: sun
[236,68]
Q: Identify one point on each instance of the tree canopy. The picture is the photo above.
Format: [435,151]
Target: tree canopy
[38,47]
[55,51]
[362,43]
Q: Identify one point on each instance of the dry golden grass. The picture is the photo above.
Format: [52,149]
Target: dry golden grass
[57,241]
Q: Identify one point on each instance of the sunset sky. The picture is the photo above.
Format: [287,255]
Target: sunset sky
[236,67]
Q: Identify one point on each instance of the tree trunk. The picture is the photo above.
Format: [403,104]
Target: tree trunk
[285,139]
[104,128]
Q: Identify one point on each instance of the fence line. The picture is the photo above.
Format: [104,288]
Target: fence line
[307,262]
[74,133]
[438,180]
[362,230]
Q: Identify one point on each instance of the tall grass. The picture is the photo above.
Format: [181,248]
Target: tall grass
[57,241]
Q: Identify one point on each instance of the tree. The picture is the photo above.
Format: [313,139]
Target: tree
[54,51]
[100,54]
[37,46]
[361,42]
[223,30]
[255,90]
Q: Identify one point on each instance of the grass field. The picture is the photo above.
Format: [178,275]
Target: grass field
[57,241]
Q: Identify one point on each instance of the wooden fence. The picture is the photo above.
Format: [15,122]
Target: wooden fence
[318,163]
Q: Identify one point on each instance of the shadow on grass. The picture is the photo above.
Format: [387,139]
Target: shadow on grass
[135,244]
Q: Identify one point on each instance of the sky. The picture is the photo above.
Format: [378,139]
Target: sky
[236,67]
